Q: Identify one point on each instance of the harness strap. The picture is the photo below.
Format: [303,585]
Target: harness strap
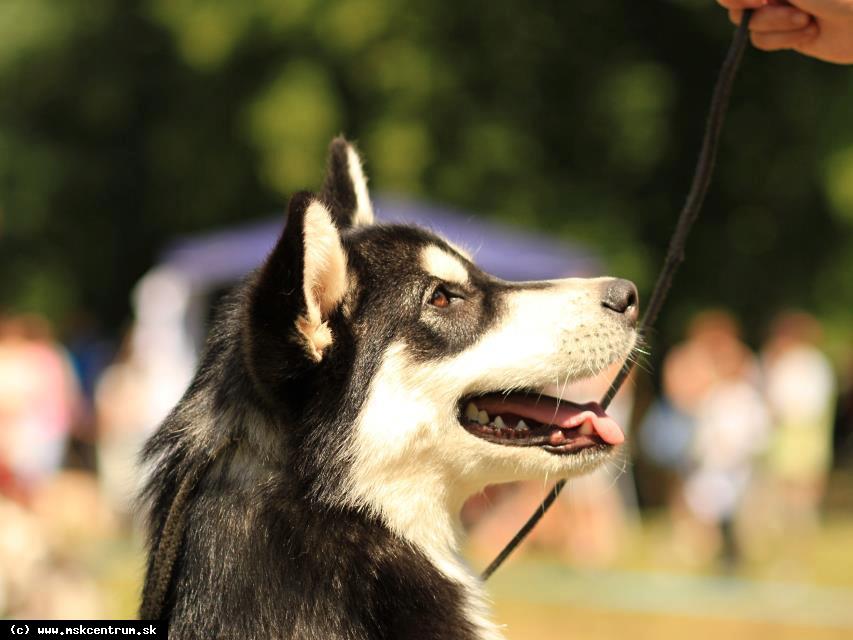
[675,254]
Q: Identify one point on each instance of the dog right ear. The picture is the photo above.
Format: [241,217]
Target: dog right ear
[300,285]
[345,186]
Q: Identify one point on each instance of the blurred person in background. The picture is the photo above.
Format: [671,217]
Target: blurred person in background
[137,391]
[732,429]
[667,431]
[800,389]
[707,432]
[90,351]
[50,516]
[121,398]
[39,403]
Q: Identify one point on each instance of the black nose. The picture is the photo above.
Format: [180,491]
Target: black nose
[621,296]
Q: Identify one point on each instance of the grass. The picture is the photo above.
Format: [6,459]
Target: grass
[798,589]
[526,621]
[646,593]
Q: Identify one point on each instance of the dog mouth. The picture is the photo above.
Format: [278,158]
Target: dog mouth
[535,420]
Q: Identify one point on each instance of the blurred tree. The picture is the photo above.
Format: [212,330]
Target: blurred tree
[126,122]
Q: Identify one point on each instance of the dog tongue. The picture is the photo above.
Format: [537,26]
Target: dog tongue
[562,413]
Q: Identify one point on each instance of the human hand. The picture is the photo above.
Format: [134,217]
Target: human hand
[822,29]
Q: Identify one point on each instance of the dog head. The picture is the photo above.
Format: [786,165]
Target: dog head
[392,355]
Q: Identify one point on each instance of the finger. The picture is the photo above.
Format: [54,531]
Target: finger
[776,40]
[736,15]
[779,18]
[742,4]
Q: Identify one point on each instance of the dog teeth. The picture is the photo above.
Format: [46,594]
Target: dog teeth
[483,417]
[586,429]
[521,425]
[499,423]
[471,412]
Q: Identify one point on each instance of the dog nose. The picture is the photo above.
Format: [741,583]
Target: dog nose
[621,297]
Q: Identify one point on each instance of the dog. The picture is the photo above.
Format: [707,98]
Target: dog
[371,378]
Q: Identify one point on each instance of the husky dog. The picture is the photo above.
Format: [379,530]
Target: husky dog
[371,378]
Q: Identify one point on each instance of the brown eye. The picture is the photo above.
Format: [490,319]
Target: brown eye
[440,298]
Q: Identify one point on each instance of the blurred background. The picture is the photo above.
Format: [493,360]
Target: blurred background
[147,150]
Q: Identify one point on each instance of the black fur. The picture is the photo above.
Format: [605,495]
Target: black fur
[338,192]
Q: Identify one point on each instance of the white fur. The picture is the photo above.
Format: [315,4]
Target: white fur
[363,210]
[444,266]
[405,483]
[325,276]
[414,464]
[462,251]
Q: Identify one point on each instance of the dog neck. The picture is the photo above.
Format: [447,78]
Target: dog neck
[423,510]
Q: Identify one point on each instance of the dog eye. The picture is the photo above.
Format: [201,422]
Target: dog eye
[440,298]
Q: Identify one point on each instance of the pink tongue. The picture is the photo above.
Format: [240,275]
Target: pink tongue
[546,410]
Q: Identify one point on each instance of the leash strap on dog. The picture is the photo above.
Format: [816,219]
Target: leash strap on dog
[163,563]
[675,253]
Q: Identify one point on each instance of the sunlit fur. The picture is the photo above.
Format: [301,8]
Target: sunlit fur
[364,209]
[325,277]
[443,265]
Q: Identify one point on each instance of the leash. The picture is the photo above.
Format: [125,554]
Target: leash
[675,253]
[162,569]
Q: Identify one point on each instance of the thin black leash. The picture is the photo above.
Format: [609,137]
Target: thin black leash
[675,253]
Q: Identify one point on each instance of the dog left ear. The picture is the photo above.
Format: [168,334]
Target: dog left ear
[302,282]
[345,186]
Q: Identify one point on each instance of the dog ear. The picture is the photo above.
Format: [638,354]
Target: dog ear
[302,282]
[345,187]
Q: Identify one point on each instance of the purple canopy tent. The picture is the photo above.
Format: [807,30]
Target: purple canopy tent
[172,302]
[219,258]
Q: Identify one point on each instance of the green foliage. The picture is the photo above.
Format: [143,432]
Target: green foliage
[839,184]
[126,122]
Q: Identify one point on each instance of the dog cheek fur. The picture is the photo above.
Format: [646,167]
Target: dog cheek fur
[409,460]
